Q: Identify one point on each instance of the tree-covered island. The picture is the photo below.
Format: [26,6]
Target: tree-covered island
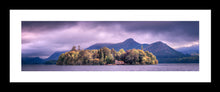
[106,56]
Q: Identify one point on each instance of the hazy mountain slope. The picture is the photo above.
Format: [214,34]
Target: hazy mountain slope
[189,50]
[55,55]
[162,50]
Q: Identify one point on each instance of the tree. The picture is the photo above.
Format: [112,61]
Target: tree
[105,56]
[95,54]
[65,60]
[79,47]
[144,60]
[85,56]
[109,59]
[69,61]
[74,56]
[121,51]
[142,55]
[156,61]
[101,55]
[60,59]
[141,47]
[121,54]
[74,48]
[153,59]
[132,56]
[114,52]
[96,61]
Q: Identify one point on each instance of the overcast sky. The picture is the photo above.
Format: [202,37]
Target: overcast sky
[42,38]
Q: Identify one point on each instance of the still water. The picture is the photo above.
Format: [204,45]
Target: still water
[159,67]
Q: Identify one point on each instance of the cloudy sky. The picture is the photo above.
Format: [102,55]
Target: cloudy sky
[42,38]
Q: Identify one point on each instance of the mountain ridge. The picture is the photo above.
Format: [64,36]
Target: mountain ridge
[159,49]
[130,43]
[162,50]
[55,55]
[127,44]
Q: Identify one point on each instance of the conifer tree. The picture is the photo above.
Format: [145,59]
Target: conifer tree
[78,47]
[74,48]
[141,47]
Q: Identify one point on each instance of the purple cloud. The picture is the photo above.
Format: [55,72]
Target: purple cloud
[42,38]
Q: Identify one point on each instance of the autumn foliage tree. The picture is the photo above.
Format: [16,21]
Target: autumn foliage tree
[104,56]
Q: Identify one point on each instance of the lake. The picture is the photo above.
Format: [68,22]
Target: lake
[158,67]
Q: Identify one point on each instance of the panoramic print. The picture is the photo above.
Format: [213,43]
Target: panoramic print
[110,46]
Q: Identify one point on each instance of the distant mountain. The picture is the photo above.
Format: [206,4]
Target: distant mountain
[55,55]
[192,50]
[36,60]
[159,48]
[32,60]
[126,45]
[162,50]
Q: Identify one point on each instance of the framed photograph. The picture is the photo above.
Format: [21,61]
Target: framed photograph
[110,46]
